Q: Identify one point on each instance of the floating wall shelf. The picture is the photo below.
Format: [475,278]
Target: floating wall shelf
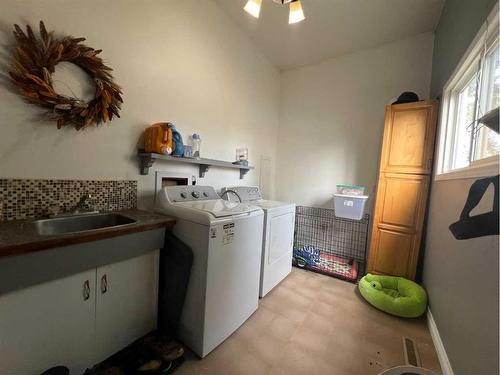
[146,160]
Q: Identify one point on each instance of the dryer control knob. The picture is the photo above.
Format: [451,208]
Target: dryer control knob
[183,195]
[195,194]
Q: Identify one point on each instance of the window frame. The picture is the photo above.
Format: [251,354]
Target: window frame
[484,100]
[454,112]
[471,63]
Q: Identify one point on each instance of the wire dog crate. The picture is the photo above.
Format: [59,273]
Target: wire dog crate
[330,245]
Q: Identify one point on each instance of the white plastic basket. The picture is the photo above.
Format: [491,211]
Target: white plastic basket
[350,206]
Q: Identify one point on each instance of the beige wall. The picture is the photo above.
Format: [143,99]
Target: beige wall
[332,117]
[177,60]
[187,62]
[461,278]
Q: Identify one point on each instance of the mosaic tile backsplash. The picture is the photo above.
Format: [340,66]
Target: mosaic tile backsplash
[28,199]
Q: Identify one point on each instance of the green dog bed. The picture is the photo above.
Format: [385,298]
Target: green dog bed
[394,295]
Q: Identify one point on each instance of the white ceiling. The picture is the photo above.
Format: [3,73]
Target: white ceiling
[332,27]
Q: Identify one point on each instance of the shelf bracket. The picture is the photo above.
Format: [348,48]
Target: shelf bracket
[145,162]
[243,172]
[203,169]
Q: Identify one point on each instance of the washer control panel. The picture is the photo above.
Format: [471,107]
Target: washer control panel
[246,193]
[190,193]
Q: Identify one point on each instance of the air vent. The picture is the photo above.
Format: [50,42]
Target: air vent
[411,354]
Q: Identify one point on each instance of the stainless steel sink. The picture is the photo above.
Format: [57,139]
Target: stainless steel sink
[80,223]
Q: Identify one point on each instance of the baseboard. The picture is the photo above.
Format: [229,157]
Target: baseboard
[438,344]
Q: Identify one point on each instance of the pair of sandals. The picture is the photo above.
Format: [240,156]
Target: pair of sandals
[167,355]
[153,354]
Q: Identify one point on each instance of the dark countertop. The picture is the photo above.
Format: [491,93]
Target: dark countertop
[20,237]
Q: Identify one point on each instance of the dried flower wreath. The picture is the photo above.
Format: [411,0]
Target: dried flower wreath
[34,60]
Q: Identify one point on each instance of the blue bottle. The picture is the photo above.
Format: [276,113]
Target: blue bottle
[179,145]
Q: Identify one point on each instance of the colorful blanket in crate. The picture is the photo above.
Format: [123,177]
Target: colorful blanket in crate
[345,268]
[306,256]
[311,257]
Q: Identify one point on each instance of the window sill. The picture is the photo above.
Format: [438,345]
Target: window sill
[481,168]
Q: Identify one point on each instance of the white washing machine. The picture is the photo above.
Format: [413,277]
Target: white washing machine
[226,240]
[278,233]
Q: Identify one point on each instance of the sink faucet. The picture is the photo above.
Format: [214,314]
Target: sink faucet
[81,203]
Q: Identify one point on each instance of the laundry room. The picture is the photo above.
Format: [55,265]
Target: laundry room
[262,187]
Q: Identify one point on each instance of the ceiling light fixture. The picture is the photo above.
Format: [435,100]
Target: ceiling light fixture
[253,7]
[296,13]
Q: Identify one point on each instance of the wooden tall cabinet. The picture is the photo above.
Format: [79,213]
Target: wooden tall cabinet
[403,187]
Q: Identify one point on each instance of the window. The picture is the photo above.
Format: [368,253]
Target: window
[488,143]
[466,112]
[472,91]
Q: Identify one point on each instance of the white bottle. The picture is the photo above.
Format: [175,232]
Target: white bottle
[196,144]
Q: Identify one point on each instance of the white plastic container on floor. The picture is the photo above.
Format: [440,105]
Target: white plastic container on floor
[349,206]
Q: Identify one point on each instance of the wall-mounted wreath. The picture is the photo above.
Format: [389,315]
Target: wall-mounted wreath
[34,60]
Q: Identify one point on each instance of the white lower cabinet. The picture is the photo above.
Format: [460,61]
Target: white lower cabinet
[48,325]
[78,320]
[126,303]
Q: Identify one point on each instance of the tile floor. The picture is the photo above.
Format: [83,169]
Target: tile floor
[314,324]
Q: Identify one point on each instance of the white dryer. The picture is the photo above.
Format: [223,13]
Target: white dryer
[226,240]
[278,233]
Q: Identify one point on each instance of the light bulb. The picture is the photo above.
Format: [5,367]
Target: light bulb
[253,7]
[296,13]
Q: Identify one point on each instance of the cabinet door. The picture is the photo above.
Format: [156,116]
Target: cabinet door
[409,134]
[126,303]
[281,231]
[48,325]
[397,224]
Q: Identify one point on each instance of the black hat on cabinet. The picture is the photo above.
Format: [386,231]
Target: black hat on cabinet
[407,97]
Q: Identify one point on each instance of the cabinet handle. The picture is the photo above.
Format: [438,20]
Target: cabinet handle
[104,284]
[86,290]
